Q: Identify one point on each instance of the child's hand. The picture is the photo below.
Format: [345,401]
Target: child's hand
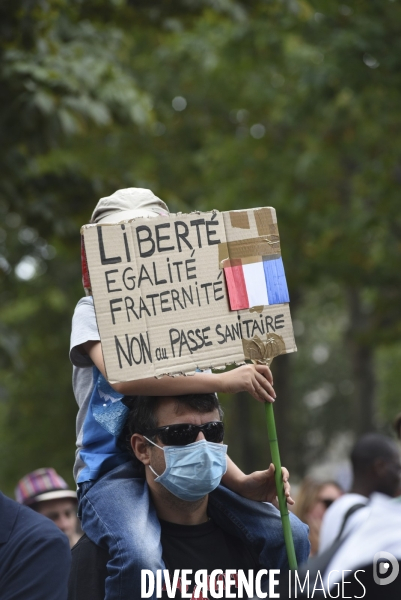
[260,486]
[257,380]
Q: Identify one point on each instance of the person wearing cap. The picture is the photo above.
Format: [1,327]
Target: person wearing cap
[47,493]
[35,557]
[100,456]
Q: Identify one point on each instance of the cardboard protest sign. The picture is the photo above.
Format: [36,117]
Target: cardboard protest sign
[187,291]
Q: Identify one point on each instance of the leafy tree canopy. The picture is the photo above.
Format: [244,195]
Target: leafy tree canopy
[211,104]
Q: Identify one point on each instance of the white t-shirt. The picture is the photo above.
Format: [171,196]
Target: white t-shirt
[334,518]
[101,414]
[378,530]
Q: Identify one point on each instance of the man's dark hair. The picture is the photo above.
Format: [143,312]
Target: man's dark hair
[143,409]
[368,449]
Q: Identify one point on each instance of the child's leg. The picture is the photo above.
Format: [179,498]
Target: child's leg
[261,527]
[117,515]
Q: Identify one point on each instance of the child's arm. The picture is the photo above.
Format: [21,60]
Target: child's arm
[255,379]
[259,486]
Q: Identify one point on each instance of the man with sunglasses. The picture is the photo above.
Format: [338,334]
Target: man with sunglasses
[178,447]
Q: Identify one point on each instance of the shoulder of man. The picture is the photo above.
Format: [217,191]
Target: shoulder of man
[34,554]
[338,509]
[334,516]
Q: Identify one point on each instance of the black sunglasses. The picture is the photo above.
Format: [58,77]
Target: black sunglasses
[182,434]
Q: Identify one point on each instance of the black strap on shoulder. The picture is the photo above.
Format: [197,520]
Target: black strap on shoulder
[352,509]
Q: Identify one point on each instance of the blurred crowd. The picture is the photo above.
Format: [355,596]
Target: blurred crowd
[356,531]
[329,510]
[347,528]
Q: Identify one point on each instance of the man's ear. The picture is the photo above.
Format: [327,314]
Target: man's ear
[141,448]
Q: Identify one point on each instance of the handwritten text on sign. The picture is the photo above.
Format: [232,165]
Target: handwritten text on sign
[160,297]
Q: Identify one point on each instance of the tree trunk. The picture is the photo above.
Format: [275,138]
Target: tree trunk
[363,367]
[246,446]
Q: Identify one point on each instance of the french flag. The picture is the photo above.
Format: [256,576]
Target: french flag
[257,283]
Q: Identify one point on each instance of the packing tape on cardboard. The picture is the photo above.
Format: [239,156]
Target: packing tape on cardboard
[239,219]
[262,351]
[252,247]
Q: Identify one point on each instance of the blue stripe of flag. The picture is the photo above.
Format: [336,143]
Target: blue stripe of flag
[276,283]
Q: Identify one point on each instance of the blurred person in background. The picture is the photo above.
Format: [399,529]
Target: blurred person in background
[376,467]
[312,501]
[34,555]
[47,493]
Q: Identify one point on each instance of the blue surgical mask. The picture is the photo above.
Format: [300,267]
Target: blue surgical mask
[194,470]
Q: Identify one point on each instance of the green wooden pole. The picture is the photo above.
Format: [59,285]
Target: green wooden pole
[285,517]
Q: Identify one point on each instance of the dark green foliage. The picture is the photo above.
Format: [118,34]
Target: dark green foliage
[290,104]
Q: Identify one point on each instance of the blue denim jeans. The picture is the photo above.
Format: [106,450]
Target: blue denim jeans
[118,514]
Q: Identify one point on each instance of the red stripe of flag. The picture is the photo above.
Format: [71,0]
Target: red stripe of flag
[236,287]
[85,271]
